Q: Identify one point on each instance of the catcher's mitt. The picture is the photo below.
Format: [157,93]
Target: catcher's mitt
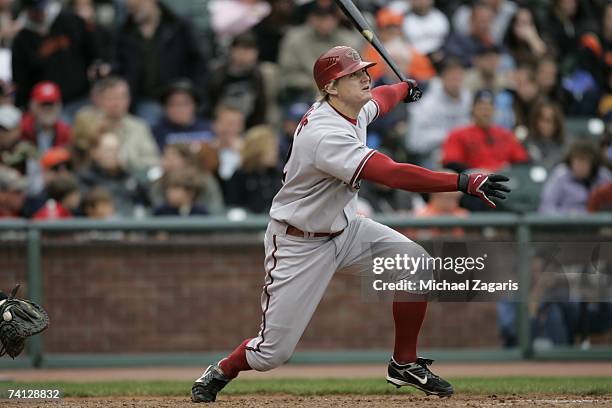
[19,319]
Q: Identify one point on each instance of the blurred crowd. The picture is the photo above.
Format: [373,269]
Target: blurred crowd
[138,108]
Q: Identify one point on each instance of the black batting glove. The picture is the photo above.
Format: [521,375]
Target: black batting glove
[414,92]
[483,186]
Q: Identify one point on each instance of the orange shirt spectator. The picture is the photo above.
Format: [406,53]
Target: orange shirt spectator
[408,58]
[441,204]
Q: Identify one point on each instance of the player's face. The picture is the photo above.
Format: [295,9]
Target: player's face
[355,88]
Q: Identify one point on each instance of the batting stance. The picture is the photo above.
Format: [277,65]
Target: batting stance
[314,229]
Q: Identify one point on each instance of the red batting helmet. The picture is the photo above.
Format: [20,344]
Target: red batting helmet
[336,63]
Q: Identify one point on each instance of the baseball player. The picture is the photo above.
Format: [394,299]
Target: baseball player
[314,229]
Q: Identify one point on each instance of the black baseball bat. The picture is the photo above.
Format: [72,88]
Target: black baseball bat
[360,23]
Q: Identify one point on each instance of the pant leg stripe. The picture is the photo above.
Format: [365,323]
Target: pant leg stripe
[263,319]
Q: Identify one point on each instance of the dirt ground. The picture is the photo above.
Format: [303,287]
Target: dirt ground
[352,401]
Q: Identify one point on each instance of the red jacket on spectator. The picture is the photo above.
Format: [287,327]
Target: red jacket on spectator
[475,148]
[52,210]
[63,133]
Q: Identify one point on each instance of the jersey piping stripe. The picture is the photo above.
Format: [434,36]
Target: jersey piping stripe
[377,109]
[360,167]
[263,319]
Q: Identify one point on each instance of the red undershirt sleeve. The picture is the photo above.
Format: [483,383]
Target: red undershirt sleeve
[388,96]
[382,169]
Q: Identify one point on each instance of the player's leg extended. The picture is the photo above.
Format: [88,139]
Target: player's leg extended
[298,271]
[405,367]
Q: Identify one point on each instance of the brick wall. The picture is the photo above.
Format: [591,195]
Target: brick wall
[201,293]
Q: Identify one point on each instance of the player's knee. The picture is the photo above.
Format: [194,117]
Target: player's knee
[268,361]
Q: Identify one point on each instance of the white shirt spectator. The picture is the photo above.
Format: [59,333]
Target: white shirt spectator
[428,32]
[436,114]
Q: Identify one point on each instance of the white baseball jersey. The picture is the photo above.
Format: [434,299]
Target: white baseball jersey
[321,176]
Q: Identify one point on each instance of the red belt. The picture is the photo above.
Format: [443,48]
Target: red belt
[296,232]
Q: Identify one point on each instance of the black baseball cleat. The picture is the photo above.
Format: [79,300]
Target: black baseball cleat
[418,375]
[206,387]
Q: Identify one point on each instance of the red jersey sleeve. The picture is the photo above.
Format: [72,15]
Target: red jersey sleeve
[388,96]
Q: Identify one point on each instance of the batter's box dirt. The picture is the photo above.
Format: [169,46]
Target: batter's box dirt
[348,401]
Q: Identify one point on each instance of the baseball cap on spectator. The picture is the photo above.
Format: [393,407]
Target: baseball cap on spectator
[11,180]
[387,17]
[180,85]
[483,95]
[54,157]
[34,4]
[10,117]
[46,92]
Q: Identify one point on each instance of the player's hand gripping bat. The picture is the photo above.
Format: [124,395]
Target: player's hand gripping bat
[360,23]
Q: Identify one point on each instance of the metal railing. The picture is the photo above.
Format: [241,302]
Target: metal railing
[523,225]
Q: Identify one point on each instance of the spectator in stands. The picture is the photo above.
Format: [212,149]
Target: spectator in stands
[42,125]
[12,193]
[64,199]
[463,45]
[304,44]
[256,182]
[441,204]
[228,128]
[232,17]
[105,170]
[566,21]
[485,72]
[502,12]
[154,47]
[515,103]
[292,116]
[182,188]
[138,150]
[482,145]
[425,27]
[178,157]
[98,204]
[601,198]
[413,63]
[10,24]
[103,35]
[445,106]
[548,81]
[546,134]
[595,52]
[523,38]
[54,45]
[181,123]
[89,125]
[14,152]
[239,81]
[54,163]
[271,30]
[568,188]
